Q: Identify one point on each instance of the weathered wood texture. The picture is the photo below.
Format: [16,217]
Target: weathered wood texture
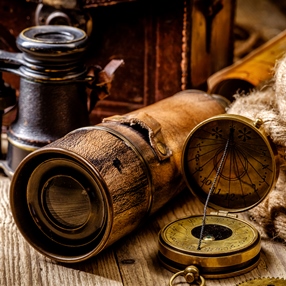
[131,261]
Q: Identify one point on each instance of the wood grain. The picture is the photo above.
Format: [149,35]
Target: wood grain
[131,261]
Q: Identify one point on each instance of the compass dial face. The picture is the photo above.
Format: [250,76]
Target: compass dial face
[222,235]
[229,155]
[229,246]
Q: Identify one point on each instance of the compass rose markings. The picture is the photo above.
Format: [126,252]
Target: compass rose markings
[244,134]
[217,132]
[245,173]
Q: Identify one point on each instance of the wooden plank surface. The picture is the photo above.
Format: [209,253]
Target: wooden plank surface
[131,261]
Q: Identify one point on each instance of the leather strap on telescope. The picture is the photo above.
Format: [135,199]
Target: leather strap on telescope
[153,128]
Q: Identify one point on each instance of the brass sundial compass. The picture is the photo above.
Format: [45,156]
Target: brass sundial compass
[230,165]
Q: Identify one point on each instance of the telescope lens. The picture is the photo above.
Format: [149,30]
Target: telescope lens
[66,202]
[55,37]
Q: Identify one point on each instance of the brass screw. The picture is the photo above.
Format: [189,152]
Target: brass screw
[162,148]
[258,122]
[190,277]
[191,272]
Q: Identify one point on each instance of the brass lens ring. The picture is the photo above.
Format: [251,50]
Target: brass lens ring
[65,202]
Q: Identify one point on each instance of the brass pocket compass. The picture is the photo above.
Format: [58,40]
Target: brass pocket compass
[230,165]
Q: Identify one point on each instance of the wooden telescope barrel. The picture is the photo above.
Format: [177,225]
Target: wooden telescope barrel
[81,193]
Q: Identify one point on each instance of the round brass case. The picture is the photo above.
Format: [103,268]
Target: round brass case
[249,171]
[234,248]
[230,165]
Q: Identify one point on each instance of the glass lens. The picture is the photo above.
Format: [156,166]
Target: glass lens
[66,202]
[55,37]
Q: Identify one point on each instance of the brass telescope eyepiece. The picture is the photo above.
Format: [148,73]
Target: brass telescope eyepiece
[64,208]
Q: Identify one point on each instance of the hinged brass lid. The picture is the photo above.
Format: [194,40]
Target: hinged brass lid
[224,213]
[231,155]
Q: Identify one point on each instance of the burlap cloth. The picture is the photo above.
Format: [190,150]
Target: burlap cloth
[269,103]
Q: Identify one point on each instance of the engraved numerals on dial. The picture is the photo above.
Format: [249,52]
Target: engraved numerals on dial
[228,234]
[248,167]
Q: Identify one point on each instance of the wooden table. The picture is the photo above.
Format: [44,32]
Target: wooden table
[131,261]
